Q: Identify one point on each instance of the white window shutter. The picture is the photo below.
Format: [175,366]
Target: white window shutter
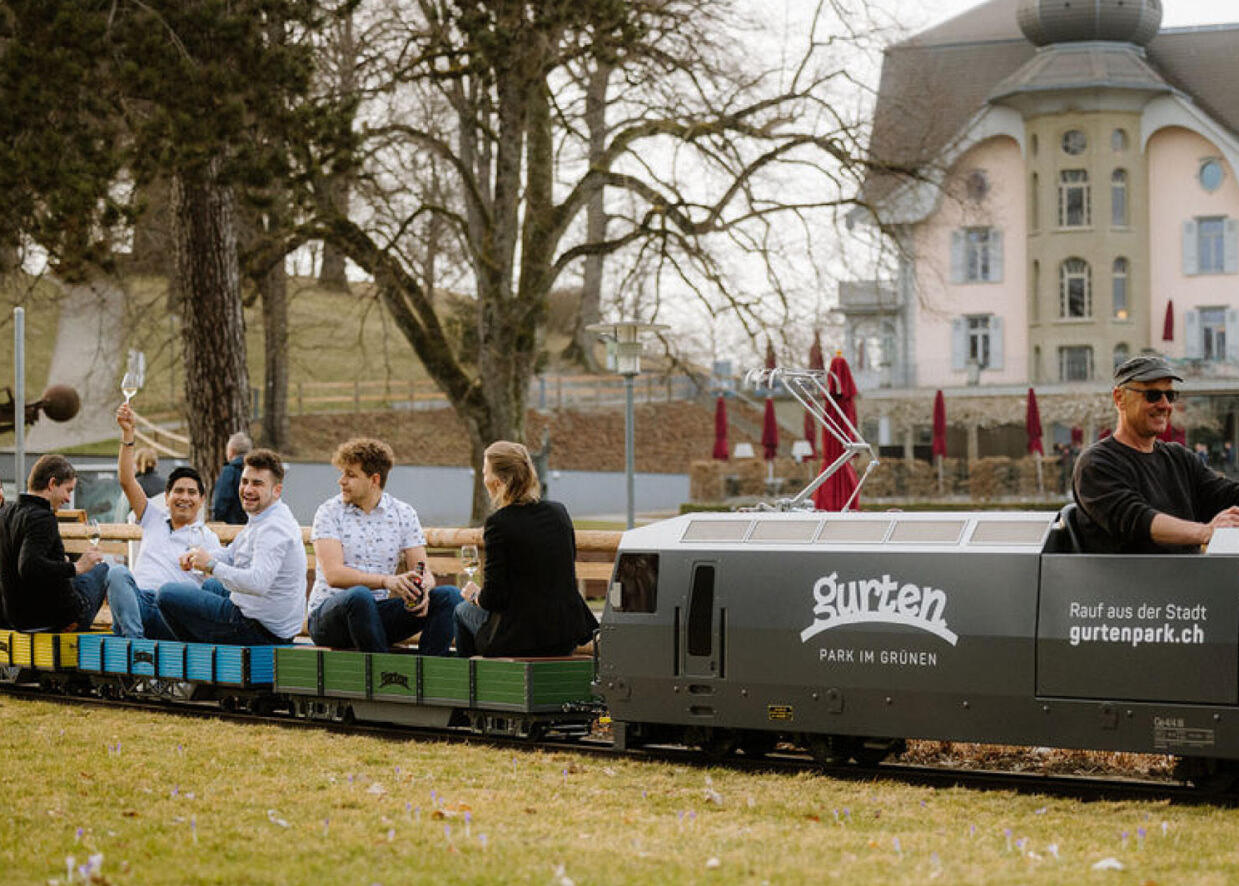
[995,255]
[959,345]
[1193,339]
[1191,258]
[1232,246]
[995,342]
[958,257]
[1232,336]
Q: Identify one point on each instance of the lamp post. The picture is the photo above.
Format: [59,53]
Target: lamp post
[19,398]
[627,337]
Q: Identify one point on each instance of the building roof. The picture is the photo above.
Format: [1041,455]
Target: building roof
[1082,66]
[935,82]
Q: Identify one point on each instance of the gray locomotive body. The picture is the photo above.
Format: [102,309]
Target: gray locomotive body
[847,632]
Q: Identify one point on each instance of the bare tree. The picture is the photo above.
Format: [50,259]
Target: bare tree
[696,153]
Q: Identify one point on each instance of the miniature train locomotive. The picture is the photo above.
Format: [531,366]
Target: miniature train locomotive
[846,633]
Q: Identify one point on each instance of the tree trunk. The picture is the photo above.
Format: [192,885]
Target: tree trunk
[581,348]
[273,289]
[208,279]
[332,273]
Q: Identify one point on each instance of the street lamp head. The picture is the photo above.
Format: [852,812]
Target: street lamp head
[627,338]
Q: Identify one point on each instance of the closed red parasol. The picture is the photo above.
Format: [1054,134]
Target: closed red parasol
[939,441]
[1032,423]
[1168,323]
[720,429]
[834,494]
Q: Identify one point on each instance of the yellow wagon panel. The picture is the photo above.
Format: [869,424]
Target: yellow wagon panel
[45,647]
[22,649]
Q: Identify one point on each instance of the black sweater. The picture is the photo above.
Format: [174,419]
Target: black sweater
[530,584]
[1120,490]
[35,578]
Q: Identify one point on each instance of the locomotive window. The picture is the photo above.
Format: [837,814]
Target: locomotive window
[701,612]
[636,581]
[785,530]
[716,530]
[1009,532]
[861,531]
[928,531]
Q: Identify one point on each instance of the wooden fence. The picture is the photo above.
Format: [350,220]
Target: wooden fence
[545,392]
[595,549]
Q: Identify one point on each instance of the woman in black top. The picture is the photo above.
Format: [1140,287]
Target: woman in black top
[529,604]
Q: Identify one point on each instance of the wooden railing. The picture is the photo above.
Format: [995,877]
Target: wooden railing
[595,549]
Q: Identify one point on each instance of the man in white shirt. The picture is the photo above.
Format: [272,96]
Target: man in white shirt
[255,592]
[167,533]
[360,600]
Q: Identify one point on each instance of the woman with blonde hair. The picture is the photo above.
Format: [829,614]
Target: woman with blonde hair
[528,604]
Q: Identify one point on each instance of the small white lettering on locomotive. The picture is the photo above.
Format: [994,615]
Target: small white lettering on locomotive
[877,601]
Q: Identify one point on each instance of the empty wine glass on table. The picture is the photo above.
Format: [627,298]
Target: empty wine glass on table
[469,560]
[129,385]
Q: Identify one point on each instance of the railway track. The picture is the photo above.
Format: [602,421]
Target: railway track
[1087,788]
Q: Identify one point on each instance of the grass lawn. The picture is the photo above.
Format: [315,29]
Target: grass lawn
[166,799]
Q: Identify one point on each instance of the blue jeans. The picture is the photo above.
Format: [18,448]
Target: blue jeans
[90,588]
[353,619]
[469,620]
[134,613]
[206,615]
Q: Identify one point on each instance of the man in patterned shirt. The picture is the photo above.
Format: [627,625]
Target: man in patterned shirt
[360,600]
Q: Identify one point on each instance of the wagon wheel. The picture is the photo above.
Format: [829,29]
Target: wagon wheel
[714,743]
[830,750]
[871,752]
[757,742]
[1209,776]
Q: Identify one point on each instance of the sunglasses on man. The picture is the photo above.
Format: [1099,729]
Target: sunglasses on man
[1154,395]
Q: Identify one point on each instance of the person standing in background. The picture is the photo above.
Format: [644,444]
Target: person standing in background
[226,502]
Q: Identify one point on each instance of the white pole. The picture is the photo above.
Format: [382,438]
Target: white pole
[19,398]
[629,449]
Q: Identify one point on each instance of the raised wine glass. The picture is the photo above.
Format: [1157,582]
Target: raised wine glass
[129,385]
[93,533]
[469,560]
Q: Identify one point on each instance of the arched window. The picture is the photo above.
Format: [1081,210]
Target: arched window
[1121,269]
[1075,289]
[1118,198]
[1121,353]
[1074,199]
[1118,140]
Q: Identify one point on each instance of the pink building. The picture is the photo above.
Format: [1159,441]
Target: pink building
[1059,184]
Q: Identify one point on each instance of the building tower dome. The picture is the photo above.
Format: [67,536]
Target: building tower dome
[1073,21]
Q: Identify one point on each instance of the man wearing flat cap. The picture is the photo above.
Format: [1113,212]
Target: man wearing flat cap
[1138,495]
